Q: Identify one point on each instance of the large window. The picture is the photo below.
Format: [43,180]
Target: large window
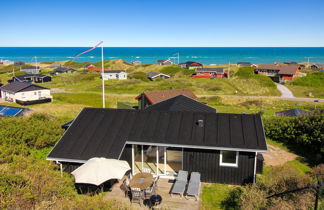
[228,158]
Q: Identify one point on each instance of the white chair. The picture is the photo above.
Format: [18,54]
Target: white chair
[146,170]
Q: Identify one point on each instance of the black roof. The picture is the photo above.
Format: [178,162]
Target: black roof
[15,87]
[292,113]
[244,63]
[217,70]
[63,69]
[114,71]
[180,103]
[22,77]
[100,132]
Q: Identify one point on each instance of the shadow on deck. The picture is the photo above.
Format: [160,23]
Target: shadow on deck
[163,188]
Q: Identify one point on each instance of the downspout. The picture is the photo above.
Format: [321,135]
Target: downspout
[61,167]
[255,166]
[142,101]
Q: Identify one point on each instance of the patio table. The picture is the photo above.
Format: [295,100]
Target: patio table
[142,181]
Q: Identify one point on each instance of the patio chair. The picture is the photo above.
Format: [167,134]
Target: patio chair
[180,183]
[194,185]
[125,186]
[146,170]
[149,191]
[136,196]
[155,181]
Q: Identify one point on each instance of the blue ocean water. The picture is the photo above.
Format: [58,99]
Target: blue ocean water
[206,55]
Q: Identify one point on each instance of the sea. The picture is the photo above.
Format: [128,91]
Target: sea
[147,55]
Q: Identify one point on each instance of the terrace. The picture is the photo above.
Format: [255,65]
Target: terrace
[163,189]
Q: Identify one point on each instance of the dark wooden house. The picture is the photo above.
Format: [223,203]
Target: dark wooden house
[224,148]
[62,70]
[164,62]
[190,65]
[155,75]
[155,96]
[244,64]
[37,78]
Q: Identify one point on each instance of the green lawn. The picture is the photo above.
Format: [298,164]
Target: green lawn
[213,195]
[311,85]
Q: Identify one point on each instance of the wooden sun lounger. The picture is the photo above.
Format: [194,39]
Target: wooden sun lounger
[180,183]
[194,185]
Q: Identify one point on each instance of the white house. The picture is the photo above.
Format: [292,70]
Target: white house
[25,93]
[114,74]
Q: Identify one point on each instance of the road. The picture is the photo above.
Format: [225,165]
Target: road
[285,92]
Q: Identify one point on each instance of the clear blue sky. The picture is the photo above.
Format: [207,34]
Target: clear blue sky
[205,23]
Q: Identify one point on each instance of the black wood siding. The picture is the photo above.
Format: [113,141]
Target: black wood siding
[260,160]
[127,154]
[207,163]
[69,167]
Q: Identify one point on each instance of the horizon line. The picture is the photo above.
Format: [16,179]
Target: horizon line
[175,46]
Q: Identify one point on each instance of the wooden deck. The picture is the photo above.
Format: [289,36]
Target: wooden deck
[163,188]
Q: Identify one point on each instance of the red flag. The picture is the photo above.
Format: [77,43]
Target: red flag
[87,50]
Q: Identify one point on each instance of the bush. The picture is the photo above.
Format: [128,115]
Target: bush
[171,70]
[278,179]
[304,134]
[23,134]
[139,75]
[311,80]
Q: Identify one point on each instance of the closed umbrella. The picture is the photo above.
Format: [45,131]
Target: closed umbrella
[98,170]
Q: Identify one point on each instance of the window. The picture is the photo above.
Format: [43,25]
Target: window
[228,158]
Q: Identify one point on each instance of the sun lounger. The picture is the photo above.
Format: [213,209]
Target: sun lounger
[180,183]
[194,185]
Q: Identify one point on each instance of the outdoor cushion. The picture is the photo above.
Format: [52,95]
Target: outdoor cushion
[182,176]
[179,187]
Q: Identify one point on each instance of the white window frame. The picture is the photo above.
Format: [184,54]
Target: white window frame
[228,164]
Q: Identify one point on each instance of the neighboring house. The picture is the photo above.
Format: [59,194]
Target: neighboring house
[190,65]
[62,70]
[25,93]
[19,63]
[278,72]
[177,103]
[136,62]
[209,73]
[37,78]
[55,65]
[223,148]
[290,63]
[67,125]
[30,69]
[154,75]
[292,113]
[114,74]
[6,62]
[243,64]
[318,66]
[164,62]
[89,67]
[180,103]
[155,96]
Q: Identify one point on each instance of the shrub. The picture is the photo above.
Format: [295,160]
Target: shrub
[139,75]
[171,70]
[311,80]
[278,179]
[304,134]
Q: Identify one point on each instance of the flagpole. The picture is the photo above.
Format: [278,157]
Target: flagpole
[102,77]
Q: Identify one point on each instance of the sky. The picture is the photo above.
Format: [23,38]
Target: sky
[162,23]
